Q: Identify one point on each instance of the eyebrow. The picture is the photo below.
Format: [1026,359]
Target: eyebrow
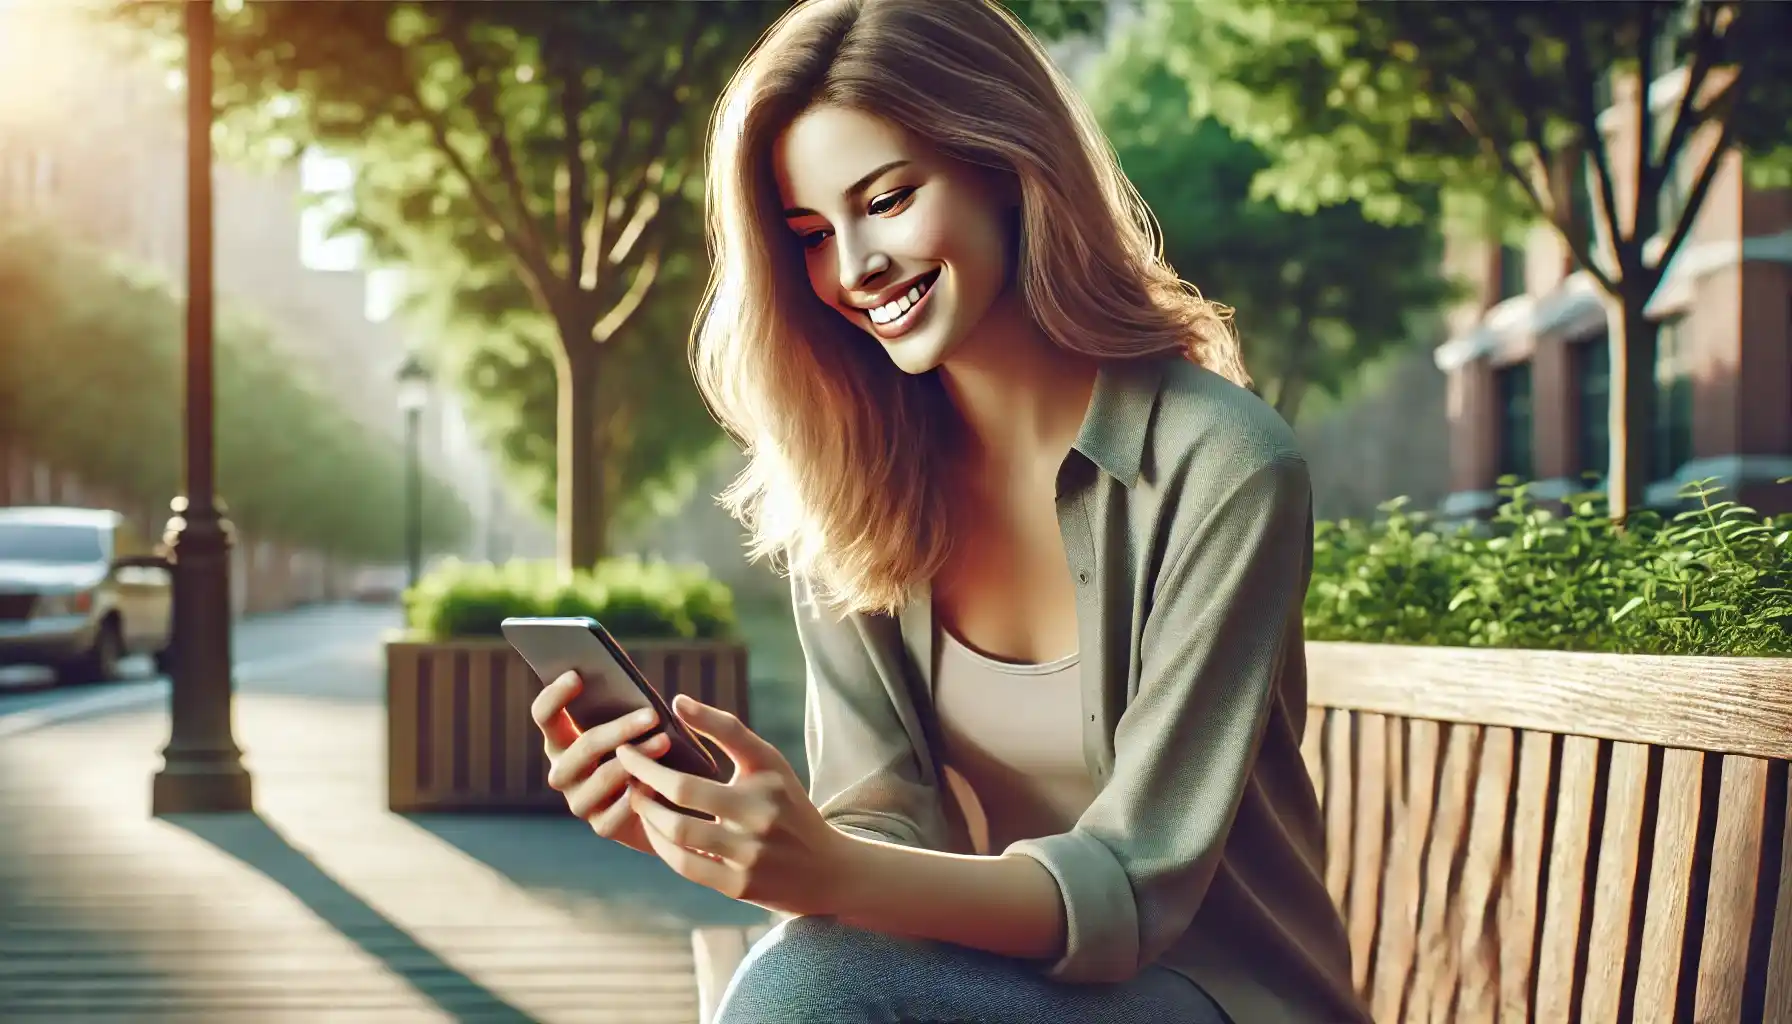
[857,187]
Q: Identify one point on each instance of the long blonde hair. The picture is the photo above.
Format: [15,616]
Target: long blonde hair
[840,442]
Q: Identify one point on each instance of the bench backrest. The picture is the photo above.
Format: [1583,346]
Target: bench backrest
[1541,836]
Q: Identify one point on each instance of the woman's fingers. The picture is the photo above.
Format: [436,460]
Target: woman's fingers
[579,758]
[688,791]
[610,819]
[708,837]
[548,709]
[597,787]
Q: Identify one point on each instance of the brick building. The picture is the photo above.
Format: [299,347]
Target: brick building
[1527,362]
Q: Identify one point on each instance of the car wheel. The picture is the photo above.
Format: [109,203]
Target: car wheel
[101,661]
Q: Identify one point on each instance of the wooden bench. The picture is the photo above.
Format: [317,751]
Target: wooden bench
[1536,836]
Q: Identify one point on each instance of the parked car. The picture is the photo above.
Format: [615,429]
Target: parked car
[79,590]
[378,584]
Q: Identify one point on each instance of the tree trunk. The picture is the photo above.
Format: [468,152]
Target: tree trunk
[1292,387]
[581,506]
[1289,391]
[1633,339]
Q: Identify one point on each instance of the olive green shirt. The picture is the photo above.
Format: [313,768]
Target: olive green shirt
[1186,516]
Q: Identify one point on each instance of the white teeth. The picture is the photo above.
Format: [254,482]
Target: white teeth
[892,311]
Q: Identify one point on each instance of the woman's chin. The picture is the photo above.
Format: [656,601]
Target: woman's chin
[917,353]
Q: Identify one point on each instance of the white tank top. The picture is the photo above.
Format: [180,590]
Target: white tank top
[1011,746]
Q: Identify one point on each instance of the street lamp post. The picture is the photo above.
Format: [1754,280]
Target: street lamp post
[413,396]
[202,767]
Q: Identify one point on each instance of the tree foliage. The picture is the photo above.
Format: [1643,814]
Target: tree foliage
[90,369]
[1318,294]
[1504,108]
[530,152]
[534,166]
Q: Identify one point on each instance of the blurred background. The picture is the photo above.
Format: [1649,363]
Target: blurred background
[1472,247]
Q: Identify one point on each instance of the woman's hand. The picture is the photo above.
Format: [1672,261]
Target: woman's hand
[768,845]
[594,791]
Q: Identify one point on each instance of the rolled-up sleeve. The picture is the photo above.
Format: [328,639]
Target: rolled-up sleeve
[1135,868]
[864,772]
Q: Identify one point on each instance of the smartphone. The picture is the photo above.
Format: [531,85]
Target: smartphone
[613,685]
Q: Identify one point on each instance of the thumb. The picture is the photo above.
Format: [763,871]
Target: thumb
[746,748]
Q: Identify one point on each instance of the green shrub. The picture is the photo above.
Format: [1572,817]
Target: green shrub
[1713,580]
[635,600]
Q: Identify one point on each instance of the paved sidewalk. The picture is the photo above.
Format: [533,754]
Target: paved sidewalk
[321,906]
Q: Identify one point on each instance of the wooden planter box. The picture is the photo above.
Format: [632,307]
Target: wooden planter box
[458,732]
[1526,835]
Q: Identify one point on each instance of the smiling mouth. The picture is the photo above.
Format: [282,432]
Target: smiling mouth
[895,313]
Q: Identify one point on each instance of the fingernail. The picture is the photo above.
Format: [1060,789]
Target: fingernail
[567,678]
[642,717]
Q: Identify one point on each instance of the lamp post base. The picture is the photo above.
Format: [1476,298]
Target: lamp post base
[202,767]
[201,782]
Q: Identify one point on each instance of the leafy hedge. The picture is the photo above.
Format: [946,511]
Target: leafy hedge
[634,599]
[1713,580]
[90,380]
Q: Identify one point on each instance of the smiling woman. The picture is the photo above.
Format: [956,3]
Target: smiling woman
[901,142]
[1048,559]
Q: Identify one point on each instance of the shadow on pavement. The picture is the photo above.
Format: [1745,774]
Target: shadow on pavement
[559,857]
[253,841]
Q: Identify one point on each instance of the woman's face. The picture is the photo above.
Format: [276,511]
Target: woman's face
[907,244]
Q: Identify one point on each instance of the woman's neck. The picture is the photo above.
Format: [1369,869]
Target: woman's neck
[1021,398]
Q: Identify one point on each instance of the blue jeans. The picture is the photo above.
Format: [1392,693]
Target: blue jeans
[814,970]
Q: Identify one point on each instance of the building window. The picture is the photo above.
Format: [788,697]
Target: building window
[1592,368]
[1673,400]
[1513,386]
[1511,271]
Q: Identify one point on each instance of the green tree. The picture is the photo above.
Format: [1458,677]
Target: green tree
[1501,106]
[534,150]
[1318,294]
[536,141]
[90,361]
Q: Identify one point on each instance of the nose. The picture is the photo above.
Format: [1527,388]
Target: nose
[860,265]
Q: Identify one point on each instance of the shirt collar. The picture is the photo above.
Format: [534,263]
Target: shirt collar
[1114,429]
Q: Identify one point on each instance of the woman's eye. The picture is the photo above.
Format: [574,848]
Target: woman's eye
[890,202]
[813,239]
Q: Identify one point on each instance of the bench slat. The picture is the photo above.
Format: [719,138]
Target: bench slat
[1368,831]
[1476,993]
[1670,899]
[1560,953]
[1633,783]
[1778,1001]
[1337,793]
[1436,967]
[1412,769]
[1730,902]
[1520,898]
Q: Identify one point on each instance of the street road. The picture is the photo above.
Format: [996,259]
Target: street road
[272,653]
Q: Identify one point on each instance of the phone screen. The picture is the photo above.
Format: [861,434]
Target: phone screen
[613,686]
